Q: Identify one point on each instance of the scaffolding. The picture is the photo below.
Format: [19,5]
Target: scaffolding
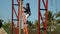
[40,16]
[19,17]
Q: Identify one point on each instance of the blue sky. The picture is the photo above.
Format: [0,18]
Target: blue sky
[5,8]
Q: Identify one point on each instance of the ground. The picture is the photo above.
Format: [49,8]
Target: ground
[2,31]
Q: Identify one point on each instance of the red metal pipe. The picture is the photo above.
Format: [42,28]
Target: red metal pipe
[18,16]
[45,31]
[39,17]
[46,17]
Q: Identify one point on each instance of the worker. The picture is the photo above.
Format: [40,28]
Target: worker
[27,10]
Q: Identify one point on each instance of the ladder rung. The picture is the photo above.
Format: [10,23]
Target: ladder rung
[42,9]
[15,19]
[15,4]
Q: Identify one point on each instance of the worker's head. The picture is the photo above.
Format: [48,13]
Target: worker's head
[0,23]
[27,5]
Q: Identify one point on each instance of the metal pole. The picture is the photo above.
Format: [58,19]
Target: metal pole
[20,15]
[18,24]
[39,17]
[46,17]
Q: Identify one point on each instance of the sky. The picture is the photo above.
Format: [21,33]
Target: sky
[6,8]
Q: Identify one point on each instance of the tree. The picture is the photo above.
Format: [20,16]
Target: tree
[58,21]
[58,14]
[36,24]
[29,24]
[6,24]
[51,20]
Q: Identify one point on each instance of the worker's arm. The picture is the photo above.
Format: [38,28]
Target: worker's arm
[24,8]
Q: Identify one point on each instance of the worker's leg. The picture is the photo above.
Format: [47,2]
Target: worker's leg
[27,15]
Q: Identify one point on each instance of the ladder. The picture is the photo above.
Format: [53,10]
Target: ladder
[19,16]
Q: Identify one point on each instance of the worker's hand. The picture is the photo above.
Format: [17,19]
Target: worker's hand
[24,7]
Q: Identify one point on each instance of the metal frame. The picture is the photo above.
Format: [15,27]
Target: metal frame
[18,16]
[40,16]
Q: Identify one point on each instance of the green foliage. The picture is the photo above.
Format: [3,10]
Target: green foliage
[33,26]
[51,21]
[58,21]
[58,14]
[36,23]
[30,24]
[6,25]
